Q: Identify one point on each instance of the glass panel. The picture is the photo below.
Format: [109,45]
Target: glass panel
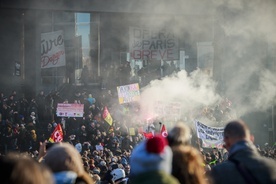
[64,17]
[83,18]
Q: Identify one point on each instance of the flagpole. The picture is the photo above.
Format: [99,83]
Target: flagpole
[160,125]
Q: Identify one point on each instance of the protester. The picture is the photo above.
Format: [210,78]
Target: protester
[151,162]
[103,146]
[119,176]
[16,169]
[188,165]
[180,134]
[66,164]
[244,165]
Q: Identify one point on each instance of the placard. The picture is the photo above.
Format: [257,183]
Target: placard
[70,110]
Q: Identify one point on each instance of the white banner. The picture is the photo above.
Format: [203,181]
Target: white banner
[52,49]
[70,110]
[211,136]
[149,44]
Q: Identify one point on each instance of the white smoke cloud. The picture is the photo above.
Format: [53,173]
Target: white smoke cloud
[247,28]
[192,93]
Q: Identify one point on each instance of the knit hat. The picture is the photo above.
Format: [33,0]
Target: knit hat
[151,155]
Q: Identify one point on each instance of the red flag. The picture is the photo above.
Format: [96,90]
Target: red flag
[57,135]
[148,135]
[164,131]
[107,117]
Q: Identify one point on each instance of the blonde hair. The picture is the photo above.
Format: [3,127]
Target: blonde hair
[179,135]
[187,165]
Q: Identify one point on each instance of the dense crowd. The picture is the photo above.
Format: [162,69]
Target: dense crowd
[107,154]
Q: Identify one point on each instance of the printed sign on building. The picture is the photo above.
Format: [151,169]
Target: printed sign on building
[149,44]
[52,49]
[70,110]
[210,136]
[128,93]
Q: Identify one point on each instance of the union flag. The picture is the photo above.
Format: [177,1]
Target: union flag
[57,135]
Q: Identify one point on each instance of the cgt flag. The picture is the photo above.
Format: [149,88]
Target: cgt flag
[164,131]
[107,117]
[57,135]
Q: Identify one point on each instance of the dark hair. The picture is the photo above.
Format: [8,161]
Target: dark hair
[236,129]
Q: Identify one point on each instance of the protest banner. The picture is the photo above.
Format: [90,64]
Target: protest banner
[70,110]
[161,110]
[128,93]
[132,131]
[150,44]
[52,49]
[210,136]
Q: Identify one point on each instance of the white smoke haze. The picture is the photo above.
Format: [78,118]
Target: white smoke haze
[248,27]
[193,93]
[266,94]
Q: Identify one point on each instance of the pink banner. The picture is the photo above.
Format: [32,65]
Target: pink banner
[70,110]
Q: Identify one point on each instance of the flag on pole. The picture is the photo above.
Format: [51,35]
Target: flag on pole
[107,117]
[148,135]
[57,135]
[164,131]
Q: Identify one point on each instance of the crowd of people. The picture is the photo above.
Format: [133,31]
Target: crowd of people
[92,151]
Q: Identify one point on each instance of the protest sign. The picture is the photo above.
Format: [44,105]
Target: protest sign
[70,110]
[161,110]
[128,93]
[210,136]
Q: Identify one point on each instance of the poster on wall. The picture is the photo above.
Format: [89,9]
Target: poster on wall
[70,110]
[128,93]
[52,49]
[151,44]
